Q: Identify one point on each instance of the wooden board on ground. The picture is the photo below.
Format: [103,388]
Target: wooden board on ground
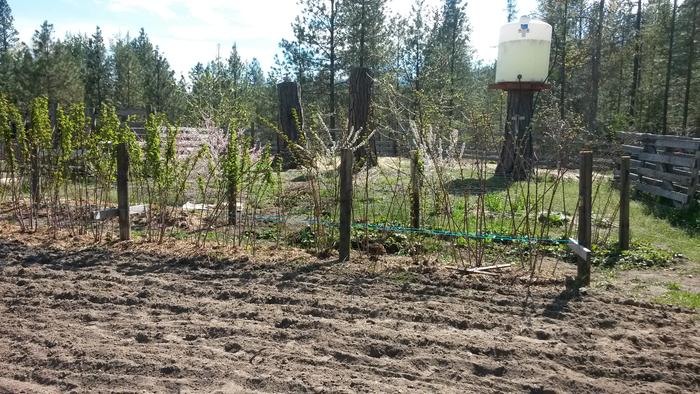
[481,270]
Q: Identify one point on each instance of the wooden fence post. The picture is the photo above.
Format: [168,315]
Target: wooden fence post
[35,182]
[624,234]
[584,215]
[123,191]
[232,201]
[346,159]
[415,188]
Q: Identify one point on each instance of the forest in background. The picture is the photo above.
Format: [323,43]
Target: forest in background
[615,65]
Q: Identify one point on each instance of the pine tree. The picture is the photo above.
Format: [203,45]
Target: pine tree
[8,33]
[595,67]
[128,75]
[562,67]
[67,68]
[97,72]
[636,61]
[161,84]
[667,86]
[42,49]
[690,62]
[201,107]
[319,21]
[235,73]
[257,94]
[8,40]
[413,60]
[298,58]
[158,79]
[363,31]
[450,58]
[511,9]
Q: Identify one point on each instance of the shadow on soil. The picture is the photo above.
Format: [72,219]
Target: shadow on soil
[143,263]
[560,304]
[128,263]
[25,255]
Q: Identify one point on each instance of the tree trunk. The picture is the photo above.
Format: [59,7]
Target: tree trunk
[417,104]
[689,70]
[664,118]
[562,69]
[363,23]
[595,69]
[517,154]
[636,62]
[360,85]
[291,121]
[332,70]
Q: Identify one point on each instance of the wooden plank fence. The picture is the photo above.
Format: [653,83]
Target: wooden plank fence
[664,165]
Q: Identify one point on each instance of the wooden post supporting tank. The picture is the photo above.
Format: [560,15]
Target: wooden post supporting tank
[517,153]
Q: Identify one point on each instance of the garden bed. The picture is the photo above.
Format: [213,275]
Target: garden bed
[145,317]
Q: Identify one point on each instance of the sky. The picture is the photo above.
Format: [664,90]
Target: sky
[191,31]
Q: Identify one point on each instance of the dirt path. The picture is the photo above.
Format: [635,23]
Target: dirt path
[109,320]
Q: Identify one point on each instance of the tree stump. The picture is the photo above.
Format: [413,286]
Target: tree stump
[291,121]
[360,85]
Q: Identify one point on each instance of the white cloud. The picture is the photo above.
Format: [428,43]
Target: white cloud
[189,31]
[161,8]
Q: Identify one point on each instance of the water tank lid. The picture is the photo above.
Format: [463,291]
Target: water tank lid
[525,29]
[524,24]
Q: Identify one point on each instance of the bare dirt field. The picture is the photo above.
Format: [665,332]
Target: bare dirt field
[121,318]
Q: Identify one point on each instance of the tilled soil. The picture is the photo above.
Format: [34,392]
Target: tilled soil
[104,319]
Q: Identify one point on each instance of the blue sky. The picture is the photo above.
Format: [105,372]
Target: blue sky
[188,31]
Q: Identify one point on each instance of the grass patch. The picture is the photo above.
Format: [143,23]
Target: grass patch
[640,256]
[403,277]
[678,297]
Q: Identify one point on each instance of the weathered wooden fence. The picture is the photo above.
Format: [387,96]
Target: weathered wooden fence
[664,165]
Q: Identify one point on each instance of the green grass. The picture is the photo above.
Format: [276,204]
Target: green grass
[652,223]
[676,296]
[640,256]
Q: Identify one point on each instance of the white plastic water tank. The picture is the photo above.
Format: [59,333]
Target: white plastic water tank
[523,49]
